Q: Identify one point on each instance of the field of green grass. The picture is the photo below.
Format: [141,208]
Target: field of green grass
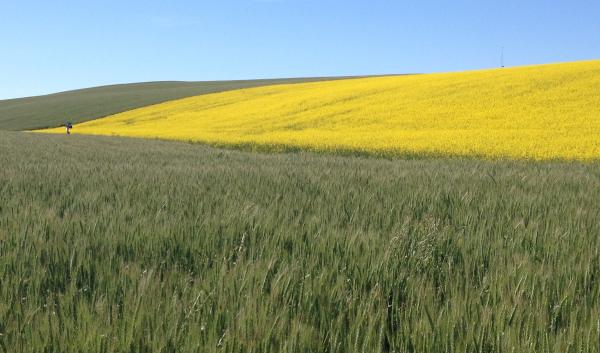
[126,245]
[88,104]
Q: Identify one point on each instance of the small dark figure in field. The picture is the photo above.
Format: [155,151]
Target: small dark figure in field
[68,126]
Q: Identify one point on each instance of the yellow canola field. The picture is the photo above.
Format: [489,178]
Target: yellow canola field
[536,112]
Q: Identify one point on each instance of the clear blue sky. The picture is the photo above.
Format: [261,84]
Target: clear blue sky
[48,46]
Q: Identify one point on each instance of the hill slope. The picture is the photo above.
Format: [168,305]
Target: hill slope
[92,103]
[538,112]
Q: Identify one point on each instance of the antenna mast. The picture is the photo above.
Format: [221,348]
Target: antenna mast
[502,57]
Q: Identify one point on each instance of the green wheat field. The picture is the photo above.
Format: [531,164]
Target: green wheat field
[129,245]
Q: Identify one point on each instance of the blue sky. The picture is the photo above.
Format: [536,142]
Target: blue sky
[49,46]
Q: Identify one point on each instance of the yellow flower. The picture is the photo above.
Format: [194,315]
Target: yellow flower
[535,112]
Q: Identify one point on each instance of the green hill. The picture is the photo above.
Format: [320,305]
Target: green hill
[91,103]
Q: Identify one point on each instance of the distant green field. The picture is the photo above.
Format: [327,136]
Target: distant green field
[87,104]
[124,245]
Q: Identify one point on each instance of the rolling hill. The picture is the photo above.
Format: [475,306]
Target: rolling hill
[535,112]
[92,103]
